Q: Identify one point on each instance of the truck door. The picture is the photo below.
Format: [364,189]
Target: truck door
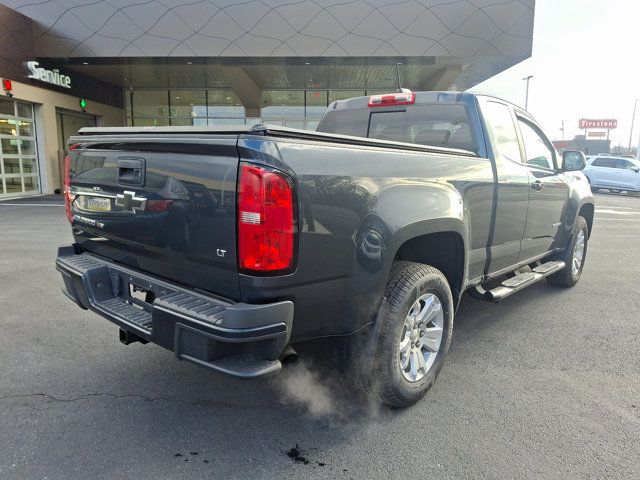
[512,190]
[548,192]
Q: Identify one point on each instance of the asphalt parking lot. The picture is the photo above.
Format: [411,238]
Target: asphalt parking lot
[543,385]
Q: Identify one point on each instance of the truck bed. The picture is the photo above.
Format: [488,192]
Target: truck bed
[275,132]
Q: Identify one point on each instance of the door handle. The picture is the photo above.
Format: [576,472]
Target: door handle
[537,185]
[131,171]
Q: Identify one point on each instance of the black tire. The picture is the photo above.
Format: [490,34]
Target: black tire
[566,277]
[615,190]
[407,282]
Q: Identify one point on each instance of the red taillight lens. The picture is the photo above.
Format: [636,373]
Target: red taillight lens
[158,206]
[404,98]
[265,220]
[66,188]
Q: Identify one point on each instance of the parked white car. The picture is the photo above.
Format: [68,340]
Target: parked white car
[613,173]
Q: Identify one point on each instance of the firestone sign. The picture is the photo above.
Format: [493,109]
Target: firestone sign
[607,123]
[54,77]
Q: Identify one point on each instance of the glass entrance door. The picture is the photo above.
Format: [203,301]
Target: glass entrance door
[19,172]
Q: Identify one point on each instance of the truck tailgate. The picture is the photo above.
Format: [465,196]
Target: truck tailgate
[163,207]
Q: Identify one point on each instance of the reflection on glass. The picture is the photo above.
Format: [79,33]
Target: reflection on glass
[6,107]
[9,146]
[316,103]
[150,103]
[8,127]
[188,104]
[294,123]
[225,104]
[380,92]
[14,185]
[11,166]
[25,129]
[226,111]
[29,165]
[31,183]
[188,122]
[335,95]
[27,147]
[150,122]
[226,121]
[312,125]
[25,110]
[127,102]
[283,103]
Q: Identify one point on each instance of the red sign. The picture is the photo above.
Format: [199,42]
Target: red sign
[6,85]
[606,123]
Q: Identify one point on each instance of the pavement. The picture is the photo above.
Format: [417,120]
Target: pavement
[545,384]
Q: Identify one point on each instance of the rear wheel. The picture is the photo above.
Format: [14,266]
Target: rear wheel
[573,257]
[615,190]
[415,333]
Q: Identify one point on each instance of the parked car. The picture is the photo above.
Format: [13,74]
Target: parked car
[613,173]
[367,232]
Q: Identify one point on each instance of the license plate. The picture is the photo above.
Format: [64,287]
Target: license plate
[97,204]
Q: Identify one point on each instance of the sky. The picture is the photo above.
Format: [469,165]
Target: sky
[585,64]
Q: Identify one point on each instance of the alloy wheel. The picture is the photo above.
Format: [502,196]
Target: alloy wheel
[421,337]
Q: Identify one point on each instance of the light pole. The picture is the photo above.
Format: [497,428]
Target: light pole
[633,119]
[637,149]
[526,98]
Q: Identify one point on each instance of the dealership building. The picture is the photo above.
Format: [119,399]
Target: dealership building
[66,64]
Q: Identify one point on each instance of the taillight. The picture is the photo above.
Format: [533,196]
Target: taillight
[66,189]
[158,206]
[265,220]
[404,98]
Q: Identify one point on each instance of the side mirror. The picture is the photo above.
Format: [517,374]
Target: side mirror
[635,169]
[573,160]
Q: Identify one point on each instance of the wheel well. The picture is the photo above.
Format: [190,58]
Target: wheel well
[444,251]
[586,211]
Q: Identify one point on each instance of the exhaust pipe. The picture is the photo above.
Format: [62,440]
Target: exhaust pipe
[289,356]
[128,338]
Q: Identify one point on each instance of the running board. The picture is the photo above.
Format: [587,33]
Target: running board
[520,281]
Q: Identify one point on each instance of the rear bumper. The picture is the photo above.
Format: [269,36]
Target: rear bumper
[239,339]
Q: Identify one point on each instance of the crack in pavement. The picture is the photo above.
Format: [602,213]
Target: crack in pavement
[89,396]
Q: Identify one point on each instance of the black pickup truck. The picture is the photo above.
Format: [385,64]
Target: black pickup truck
[230,245]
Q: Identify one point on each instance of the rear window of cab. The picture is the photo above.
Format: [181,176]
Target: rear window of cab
[434,124]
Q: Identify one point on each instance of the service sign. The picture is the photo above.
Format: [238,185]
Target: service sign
[605,123]
[54,77]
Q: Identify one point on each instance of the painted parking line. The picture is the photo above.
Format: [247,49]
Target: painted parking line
[615,212]
[600,219]
[30,204]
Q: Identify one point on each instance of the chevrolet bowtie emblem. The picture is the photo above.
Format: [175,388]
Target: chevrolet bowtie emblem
[129,202]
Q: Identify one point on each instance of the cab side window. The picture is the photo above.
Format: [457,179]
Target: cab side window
[502,130]
[538,152]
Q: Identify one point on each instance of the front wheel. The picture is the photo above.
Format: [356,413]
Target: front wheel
[615,190]
[415,333]
[573,257]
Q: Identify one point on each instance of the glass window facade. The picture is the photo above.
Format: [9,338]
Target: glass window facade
[290,108]
[183,108]
[19,173]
